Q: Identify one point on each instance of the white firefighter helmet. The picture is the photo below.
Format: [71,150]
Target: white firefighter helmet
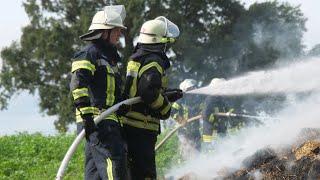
[158,30]
[216,81]
[187,84]
[111,17]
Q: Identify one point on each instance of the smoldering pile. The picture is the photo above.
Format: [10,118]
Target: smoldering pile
[298,161]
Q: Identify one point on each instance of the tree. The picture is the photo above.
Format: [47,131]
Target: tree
[271,31]
[216,41]
[315,51]
[41,63]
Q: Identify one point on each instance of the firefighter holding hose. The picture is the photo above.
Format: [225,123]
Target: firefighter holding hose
[146,77]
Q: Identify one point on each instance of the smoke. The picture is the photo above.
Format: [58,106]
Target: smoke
[301,110]
[231,151]
[301,76]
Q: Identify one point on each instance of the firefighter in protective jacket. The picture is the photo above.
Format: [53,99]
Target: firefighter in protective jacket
[146,77]
[95,86]
[213,105]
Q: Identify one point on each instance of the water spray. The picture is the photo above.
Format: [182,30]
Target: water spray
[302,76]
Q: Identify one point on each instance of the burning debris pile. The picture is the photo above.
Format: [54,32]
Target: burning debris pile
[300,161]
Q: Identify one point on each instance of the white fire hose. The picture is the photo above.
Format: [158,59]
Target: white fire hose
[78,139]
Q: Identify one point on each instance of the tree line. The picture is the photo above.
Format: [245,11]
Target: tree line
[219,38]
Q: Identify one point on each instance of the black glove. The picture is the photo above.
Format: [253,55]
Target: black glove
[123,109]
[89,125]
[173,94]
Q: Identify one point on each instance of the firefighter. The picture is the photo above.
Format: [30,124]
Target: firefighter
[213,105]
[95,86]
[189,135]
[146,77]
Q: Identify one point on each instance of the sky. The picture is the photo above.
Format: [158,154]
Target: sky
[23,113]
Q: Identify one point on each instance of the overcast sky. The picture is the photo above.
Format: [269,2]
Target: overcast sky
[23,112]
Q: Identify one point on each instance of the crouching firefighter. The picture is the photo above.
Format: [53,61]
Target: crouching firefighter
[95,86]
[146,77]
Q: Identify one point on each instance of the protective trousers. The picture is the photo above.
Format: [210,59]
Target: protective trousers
[105,153]
[141,153]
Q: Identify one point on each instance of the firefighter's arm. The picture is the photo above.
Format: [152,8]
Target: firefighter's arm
[82,74]
[149,89]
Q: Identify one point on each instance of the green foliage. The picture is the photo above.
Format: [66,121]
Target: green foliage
[36,157]
[168,155]
[219,38]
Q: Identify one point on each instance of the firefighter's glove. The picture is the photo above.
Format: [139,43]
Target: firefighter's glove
[89,125]
[123,109]
[173,94]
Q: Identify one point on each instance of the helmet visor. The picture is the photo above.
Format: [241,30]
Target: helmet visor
[114,14]
[172,29]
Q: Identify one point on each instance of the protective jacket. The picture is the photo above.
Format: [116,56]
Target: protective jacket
[95,82]
[210,120]
[146,77]
[95,86]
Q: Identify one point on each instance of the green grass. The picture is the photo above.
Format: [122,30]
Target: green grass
[37,157]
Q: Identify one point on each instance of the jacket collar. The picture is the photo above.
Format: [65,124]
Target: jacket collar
[145,49]
[108,50]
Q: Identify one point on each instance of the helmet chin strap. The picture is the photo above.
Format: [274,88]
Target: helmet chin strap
[165,47]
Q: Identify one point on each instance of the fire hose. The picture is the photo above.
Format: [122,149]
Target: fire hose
[175,129]
[78,139]
[199,117]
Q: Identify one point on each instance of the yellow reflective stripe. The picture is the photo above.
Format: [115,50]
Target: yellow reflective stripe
[83,64]
[150,65]
[110,87]
[185,112]
[207,138]
[176,106]
[142,117]
[78,93]
[139,124]
[109,169]
[112,116]
[133,88]
[167,40]
[96,113]
[175,116]
[231,110]
[164,82]
[211,118]
[158,102]
[133,68]
[79,118]
[166,109]
[86,110]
